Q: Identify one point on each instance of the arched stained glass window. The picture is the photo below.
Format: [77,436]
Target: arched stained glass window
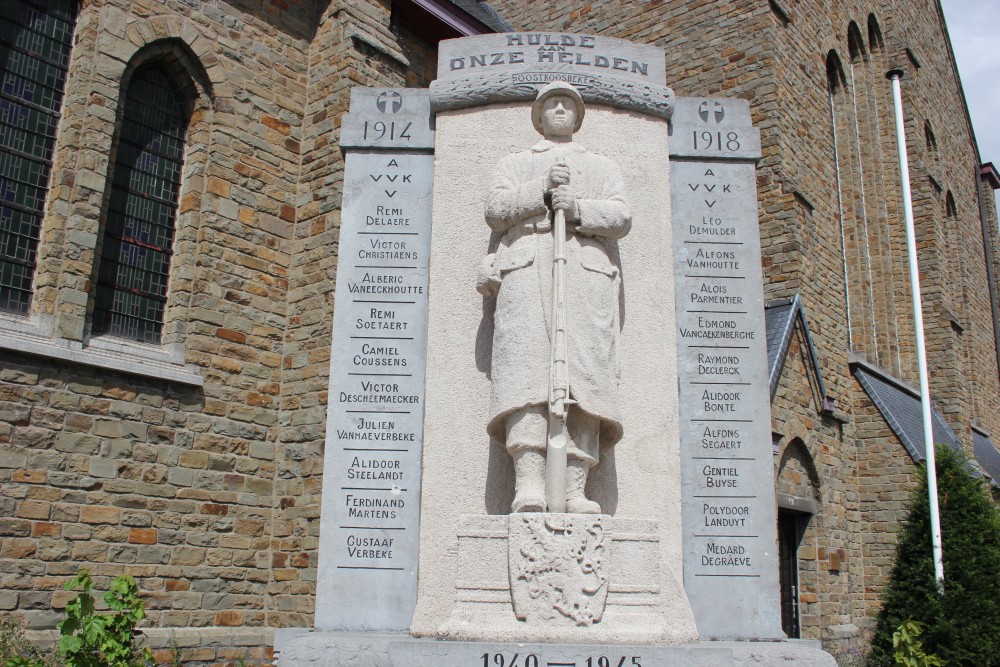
[139,222]
[35,41]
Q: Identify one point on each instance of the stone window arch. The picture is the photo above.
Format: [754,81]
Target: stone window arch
[950,209]
[37,39]
[836,81]
[875,40]
[855,43]
[930,141]
[163,91]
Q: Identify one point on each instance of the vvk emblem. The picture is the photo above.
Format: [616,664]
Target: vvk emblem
[710,187]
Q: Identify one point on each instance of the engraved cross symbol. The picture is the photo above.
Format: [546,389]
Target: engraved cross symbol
[711,107]
[391,99]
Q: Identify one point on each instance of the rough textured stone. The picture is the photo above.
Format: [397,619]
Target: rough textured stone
[465,155]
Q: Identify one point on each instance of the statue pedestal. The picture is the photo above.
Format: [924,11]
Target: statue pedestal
[575,578]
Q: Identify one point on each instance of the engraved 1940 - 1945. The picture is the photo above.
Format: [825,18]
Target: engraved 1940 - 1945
[502,659]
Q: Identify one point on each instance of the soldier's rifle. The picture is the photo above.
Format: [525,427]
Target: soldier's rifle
[559,398]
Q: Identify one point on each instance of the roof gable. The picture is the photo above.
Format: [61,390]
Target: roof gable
[781,319]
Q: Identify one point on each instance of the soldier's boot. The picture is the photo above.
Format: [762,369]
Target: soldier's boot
[576,482]
[529,481]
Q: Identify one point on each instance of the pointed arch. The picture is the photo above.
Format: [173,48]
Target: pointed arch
[950,209]
[855,43]
[930,140]
[835,77]
[797,475]
[184,67]
[875,34]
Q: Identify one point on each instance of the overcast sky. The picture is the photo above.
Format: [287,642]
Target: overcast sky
[974,26]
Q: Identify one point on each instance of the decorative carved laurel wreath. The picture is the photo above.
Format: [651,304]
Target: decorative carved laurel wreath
[494,88]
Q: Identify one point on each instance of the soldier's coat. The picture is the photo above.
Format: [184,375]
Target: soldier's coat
[521,348]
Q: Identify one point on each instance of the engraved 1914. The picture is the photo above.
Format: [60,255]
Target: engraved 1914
[386,130]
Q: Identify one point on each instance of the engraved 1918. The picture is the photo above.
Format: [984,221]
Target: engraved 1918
[720,141]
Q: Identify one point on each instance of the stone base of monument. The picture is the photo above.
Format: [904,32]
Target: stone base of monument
[546,590]
[298,648]
[557,577]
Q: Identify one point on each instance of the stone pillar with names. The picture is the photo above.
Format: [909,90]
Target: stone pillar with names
[371,477]
[729,515]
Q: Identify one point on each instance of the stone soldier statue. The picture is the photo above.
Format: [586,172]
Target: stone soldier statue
[555,174]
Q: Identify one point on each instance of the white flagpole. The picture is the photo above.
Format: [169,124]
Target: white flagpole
[918,320]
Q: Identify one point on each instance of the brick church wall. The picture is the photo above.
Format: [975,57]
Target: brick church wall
[125,473]
[355,44]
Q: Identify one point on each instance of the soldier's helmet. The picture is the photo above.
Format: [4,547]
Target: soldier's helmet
[557,88]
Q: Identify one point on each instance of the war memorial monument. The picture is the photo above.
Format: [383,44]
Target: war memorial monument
[548,438]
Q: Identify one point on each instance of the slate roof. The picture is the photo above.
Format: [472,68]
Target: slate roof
[900,406]
[484,13]
[779,322]
[987,455]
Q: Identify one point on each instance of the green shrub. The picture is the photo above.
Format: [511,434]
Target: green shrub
[962,625]
[89,639]
[908,648]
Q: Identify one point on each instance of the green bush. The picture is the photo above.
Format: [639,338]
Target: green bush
[908,648]
[86,638]
[962,625]
[89,639]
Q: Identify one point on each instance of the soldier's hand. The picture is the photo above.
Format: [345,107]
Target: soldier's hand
[563,199]
[558,175]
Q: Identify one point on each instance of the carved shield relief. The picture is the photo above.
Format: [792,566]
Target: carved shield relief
[558,567]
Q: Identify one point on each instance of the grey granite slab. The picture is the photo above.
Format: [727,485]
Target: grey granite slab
[371,477]
[390,118]
[729,515]
[713,128]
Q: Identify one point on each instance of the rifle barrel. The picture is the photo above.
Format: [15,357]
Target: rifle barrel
[555,458]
